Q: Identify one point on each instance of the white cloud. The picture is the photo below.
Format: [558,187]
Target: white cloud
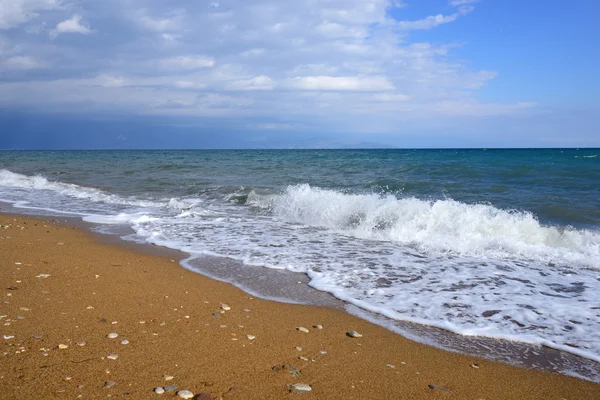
[169,23]
[342,83]
[322,60]
[171,37]
[391,97]
[187,62]
[427,23]
[261,82]
[72,25]
[20,63]
[110,81]
[430,22]
[456,3]
[182,84]
[253,53]
[16,12]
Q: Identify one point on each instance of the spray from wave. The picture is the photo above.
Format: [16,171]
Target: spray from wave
[448,226]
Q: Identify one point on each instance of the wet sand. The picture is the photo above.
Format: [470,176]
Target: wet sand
[61,286]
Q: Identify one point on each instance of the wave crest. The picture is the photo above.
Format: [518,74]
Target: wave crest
[449,226]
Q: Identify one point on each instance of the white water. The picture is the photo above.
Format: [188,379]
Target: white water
[470,269]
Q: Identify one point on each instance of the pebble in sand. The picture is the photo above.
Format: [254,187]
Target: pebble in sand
[185,394]
[299,388]
[354,334]
[112,335]
[302,329]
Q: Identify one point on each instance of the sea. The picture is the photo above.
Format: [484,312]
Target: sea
[482,243]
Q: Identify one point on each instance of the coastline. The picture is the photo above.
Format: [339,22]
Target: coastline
[175,325]
[294,287]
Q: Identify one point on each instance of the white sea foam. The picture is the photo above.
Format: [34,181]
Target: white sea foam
[11,179]
[444,226]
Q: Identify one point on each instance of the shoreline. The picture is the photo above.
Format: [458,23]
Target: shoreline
[293,288]
[186,334]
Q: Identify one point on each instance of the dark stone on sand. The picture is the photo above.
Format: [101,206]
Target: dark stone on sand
[292,370]
[489,313]
[436,387]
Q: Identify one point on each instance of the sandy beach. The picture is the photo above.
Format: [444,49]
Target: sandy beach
[65,295]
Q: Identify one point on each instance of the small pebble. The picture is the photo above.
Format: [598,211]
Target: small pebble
[170,388]
[318,326]
[112,335]
[302,329]
[108,384]
[112,356]
[124,341]
[390,365]
[354,334]
[299,388]
[168,377]
[159,390]
[62,346]
[475,366]
[225,307]
[299,348]
[251,337]
[81,343]
[185,394]
[37,336]
[443,389]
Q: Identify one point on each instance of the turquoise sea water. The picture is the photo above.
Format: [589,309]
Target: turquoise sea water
[497,243]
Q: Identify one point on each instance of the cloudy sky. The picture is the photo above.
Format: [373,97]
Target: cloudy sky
[303,73]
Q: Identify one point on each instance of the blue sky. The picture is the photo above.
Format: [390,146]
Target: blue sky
[307,73]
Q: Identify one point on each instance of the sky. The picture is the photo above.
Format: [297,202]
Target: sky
[299,74]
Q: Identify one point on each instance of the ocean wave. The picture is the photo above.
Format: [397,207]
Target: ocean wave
[448,226]
[38,182]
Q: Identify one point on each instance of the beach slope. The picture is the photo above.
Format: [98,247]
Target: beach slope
[66,295]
